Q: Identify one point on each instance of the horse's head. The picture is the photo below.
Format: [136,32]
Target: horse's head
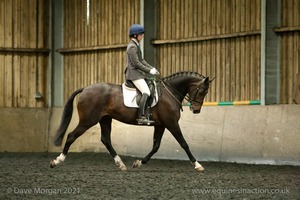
[197,94]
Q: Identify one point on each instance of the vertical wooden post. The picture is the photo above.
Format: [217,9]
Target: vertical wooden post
[56,67]
[270,75]
[149,16]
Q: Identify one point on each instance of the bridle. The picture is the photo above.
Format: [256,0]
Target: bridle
[193,100]
[186,97]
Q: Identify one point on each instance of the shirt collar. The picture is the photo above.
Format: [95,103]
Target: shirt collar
[133,39]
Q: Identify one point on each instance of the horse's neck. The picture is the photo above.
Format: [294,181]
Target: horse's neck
[181,86]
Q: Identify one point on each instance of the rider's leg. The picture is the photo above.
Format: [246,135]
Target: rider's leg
[144,89]
[142,86]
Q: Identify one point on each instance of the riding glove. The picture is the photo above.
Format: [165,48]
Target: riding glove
[154,71]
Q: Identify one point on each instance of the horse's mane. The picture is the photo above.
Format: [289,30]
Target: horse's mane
[183,74]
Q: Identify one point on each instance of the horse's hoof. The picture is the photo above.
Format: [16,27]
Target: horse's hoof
[52,164]
[199,169]
[136,164]
[123,168]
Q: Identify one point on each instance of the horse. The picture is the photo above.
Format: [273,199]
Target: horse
[102,102]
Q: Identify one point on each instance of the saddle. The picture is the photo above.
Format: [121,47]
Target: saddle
[132,96]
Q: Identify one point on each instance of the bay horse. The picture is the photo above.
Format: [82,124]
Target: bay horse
[102,102]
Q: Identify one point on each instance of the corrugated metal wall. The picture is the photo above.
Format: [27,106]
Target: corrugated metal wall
[95,46]
[216,38]
[24,39]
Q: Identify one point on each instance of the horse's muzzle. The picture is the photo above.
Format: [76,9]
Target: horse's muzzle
[196,111]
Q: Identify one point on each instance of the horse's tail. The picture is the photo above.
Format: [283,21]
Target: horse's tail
[66,118]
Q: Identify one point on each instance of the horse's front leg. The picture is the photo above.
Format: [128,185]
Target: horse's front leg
[158,133]
[176,132]
[105,124]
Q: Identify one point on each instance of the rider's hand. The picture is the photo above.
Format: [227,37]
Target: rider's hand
[154,71]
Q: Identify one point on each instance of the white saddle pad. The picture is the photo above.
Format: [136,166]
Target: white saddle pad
[130,95]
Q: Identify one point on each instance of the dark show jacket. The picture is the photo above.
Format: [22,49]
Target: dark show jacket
[137,67]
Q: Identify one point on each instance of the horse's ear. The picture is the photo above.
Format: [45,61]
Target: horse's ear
[206,80]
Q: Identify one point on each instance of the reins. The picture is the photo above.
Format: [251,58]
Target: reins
[165,84]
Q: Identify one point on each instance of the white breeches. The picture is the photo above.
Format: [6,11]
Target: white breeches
[142,86]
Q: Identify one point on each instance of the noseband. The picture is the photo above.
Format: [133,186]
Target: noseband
[193,100]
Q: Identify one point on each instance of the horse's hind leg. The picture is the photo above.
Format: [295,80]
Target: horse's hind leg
[158,133]
[72,136]
[105,124]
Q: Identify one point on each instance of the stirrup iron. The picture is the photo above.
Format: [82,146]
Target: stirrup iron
[143,120]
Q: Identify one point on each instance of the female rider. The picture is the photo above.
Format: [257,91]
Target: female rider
[137,69]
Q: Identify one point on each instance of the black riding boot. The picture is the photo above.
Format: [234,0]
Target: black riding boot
[143,119]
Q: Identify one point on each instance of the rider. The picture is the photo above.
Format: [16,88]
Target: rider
[137,69]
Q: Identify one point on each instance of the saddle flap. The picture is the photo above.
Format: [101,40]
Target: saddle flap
[131,96]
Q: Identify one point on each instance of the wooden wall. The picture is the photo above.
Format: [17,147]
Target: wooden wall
[290,48]
[95,48]
[216,38]
[24,35]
